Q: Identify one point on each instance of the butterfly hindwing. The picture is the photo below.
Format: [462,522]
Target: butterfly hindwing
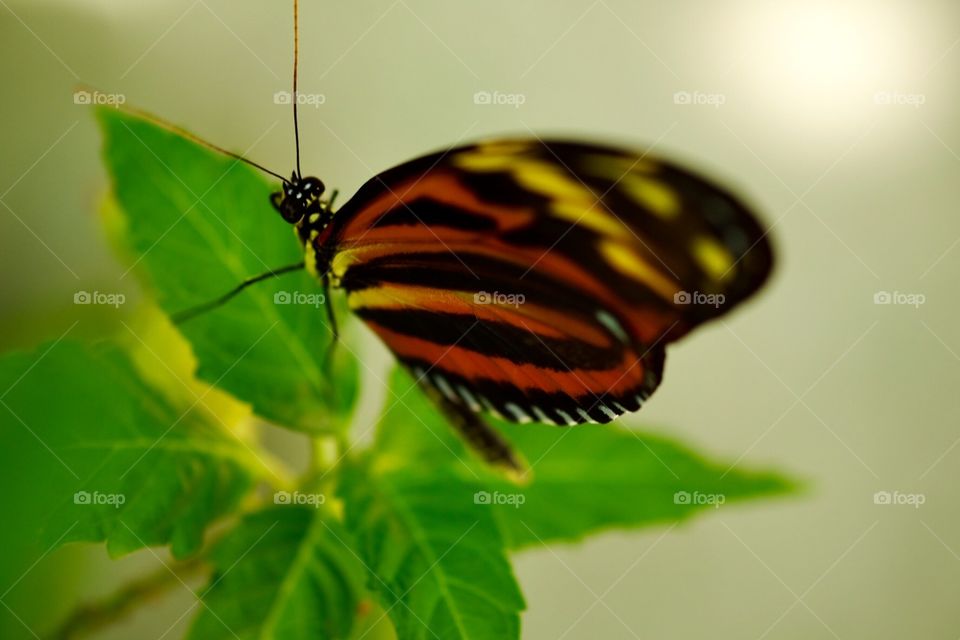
[541,280]
[524,358]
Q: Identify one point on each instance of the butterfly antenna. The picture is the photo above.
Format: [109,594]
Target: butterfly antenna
[180,131]
[296,58]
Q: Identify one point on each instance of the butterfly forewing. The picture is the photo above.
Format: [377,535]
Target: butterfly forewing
[542,280]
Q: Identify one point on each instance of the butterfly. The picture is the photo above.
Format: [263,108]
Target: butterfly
[535,280]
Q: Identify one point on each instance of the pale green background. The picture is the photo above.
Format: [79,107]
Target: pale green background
[812,377]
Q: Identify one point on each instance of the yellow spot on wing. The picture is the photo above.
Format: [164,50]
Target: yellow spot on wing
[625,260]
[589,214]
[715,258]
[376,298]
[342,260]
[479,161]
[569,198]
[614,167]
[504,146]
[655,196]
[549,180]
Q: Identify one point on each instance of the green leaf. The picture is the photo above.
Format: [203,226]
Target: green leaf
[595,477]
[198,225]
[584,479]
[436,559]
[411,427]
[129,466]
[284,573]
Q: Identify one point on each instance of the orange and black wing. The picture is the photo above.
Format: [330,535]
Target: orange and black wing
[541,280]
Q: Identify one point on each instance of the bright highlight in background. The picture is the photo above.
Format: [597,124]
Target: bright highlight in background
[820,49]
[822,64]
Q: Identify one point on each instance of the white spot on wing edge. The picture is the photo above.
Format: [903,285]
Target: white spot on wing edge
[489,406]
[566,417]
[519,414]
[607,411]
[541,416]
[468,398]
[586,416]
[444,387]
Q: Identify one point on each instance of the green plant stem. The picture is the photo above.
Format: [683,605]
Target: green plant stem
[92,617]
[328,449]
[326,452]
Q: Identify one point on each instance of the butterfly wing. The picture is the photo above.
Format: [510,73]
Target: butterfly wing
[542,279]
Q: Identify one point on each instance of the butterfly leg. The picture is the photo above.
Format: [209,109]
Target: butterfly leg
[333,196]
[480,436]
[192,312]
[332,318]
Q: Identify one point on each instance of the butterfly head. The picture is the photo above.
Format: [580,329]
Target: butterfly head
[298,197]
